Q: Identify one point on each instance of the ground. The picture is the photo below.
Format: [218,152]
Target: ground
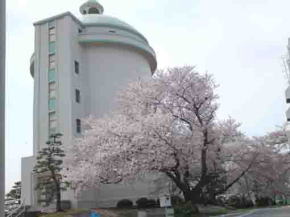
[205,212]
[266,212]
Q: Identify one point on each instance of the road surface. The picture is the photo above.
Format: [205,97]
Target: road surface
[267,212]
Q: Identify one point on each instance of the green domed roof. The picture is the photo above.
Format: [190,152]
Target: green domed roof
[108,21]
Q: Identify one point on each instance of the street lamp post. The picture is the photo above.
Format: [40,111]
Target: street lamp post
[2,104]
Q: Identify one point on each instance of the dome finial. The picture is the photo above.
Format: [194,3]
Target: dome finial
[91,7]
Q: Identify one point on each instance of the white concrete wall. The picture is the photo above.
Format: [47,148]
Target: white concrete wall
[109,69]
[27,191]
[2,105]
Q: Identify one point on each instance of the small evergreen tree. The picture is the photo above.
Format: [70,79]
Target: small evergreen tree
[48,167]
[15,192]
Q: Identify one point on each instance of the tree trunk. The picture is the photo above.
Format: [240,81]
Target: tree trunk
[189,198]
[58,198]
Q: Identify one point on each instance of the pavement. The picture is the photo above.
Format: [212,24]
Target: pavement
[267,212]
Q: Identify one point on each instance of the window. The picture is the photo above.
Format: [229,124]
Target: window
[80,30]
[51,75]
[52,34]
[288,100]
[93,11]
[51,24]
[52,122]
[51,47]
[77,67]
[78,95]
[52,90]
[52,104]
[51,61]
[78,126]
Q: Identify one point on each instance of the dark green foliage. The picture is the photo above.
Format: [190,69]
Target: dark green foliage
[145,203]
[15,193]
[142,202]
[185,210]
[176,200]
[152,203]
[125,203]
[264,201]
[48,167]
[239,202]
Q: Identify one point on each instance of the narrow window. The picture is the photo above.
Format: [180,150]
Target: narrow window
[52,90]
[77,67]
[51,24]
[288,100]
[52,104]
[78,95]
[78,126]
[52,122]
[52,34]
[51,75]
[51,47]
[51,61]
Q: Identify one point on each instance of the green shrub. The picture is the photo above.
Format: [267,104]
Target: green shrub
[264,201]
[185,210]
[145,203]
[176,200]
[125,203]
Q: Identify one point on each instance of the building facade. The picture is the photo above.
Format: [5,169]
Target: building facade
[2,105]
[78,67]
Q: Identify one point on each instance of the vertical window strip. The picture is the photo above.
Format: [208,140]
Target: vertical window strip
[78,126]
[77,67]
[52,47]
[51,75]
[77,95]
[52,104]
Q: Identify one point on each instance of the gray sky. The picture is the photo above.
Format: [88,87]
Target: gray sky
[240,42]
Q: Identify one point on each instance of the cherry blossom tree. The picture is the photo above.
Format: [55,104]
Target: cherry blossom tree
[166,125]
[270,177]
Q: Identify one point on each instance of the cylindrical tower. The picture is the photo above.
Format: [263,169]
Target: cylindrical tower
[114,54]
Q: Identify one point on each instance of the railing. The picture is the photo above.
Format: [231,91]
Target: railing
[17,211]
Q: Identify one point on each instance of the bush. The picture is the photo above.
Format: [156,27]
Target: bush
[125,203]
[152,203]
[176,200]
[239,202]
[145,203]
[185,210]
[264,201]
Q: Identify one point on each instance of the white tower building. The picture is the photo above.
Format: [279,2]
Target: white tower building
[78,68]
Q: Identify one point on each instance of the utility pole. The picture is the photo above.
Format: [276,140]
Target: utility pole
[2,103]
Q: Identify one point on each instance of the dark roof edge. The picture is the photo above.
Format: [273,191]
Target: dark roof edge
[57,17]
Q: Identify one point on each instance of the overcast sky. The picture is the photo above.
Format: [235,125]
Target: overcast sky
[240,42]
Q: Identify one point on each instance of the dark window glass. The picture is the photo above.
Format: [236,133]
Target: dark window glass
[288,100]
[77,67]
[93,11]
[78,95]
[78,126]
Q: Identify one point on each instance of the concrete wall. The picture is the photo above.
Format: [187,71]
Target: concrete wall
[2,105]
[27,191]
